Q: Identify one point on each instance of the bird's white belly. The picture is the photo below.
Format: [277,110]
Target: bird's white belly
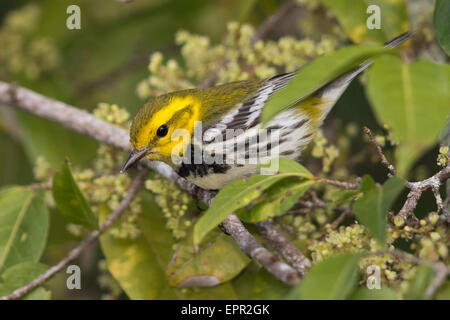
[215,181]
[293,135]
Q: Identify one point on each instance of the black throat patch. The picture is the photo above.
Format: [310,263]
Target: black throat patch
[188,166]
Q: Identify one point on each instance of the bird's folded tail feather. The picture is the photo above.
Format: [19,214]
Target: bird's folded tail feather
[334,89]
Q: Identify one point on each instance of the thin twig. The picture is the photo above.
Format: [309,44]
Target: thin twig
[441,272]
[320,204]
[70,117]
[47,185]
[345,212]
[257,252]
[340,184]
[281,244]
[384,160]
[417,188]
[134,189]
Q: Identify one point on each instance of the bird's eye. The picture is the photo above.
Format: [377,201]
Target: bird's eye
[162,131]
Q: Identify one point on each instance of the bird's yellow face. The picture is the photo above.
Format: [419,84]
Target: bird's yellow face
[163,127]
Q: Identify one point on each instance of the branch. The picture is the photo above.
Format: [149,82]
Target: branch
[280,243]
[257,252]
[345,212]
[416,188]
[134,189]
[85,123]
[340,184]
[70,117]
[317,203]
[441,272]
[384,160]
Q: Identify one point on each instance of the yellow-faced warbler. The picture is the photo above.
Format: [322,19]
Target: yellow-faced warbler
[213,136]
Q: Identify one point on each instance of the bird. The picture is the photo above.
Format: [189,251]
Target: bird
[212,136]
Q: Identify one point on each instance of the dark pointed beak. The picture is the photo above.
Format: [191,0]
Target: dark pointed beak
[135,156]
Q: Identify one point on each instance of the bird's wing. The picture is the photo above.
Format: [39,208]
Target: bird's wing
[246,114]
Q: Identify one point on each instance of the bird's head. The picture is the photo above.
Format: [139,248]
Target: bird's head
[163,127]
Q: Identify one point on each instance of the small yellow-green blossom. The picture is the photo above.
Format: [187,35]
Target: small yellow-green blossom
[390,275]
[319,143]
[303,226]
[21,53]
[434,245]
[433,217]
[75,229]
[331,153]
[356,239]
[104,185]
[113,114]
[42,169]
[444,156]
[352,129]
[399,221]
[240,56]
[381,140]
[174,204]
[347,239]
[328,153]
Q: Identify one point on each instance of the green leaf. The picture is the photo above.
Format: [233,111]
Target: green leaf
[255,283]
[341,196]
[332,279]
[14,165]
[139,265]
[444,291]
[243,9]
[52,140]
[267,287]
[364,293]
[217,260]
[58,233]
[69,199]
[21,274]
[280,198]
[442,24]
[372,208]
[419,283]
[24,223]
[240,193]
[316,74]
[413,101]
[367,183]
[353,17]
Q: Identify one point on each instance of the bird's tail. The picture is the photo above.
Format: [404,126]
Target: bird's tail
[398,40]
[334,89]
